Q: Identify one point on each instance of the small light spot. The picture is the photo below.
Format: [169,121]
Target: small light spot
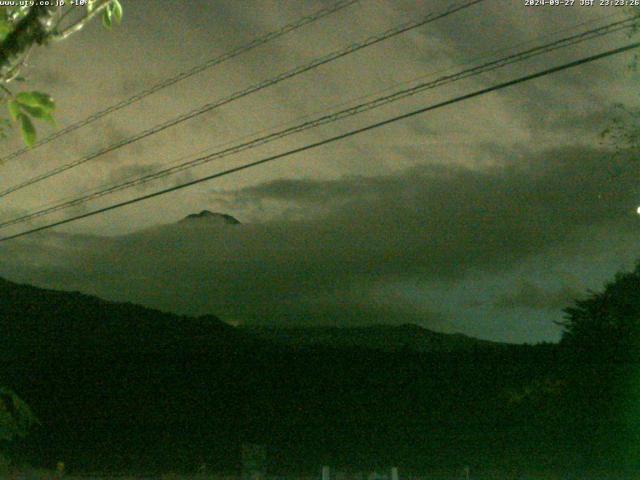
[638,210]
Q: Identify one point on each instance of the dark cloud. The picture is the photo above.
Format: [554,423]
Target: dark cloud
[531,295]
[126,172]
[111,133]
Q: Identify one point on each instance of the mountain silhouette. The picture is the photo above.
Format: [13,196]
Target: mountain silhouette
[213,218]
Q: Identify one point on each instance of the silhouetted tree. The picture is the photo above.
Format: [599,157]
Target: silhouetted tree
[601,343]
[606,325]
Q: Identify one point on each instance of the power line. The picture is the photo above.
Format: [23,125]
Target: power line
[324,12]
[562,43]
[342,136]
[362,107]
[359,97]
[243,93]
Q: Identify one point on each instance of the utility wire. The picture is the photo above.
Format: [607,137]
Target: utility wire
[431,74]
[342,136]
[375,103]
[243,93]
[188,73]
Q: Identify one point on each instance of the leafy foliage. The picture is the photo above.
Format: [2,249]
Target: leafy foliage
[27,105]
[607,323]
[21,28]
[601,343]
[113,13]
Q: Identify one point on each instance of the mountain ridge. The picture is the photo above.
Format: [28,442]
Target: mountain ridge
[387,337]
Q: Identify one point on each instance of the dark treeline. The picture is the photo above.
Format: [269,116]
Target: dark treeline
[118,386]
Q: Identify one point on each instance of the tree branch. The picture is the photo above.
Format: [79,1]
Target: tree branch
[80,23]
[14,71]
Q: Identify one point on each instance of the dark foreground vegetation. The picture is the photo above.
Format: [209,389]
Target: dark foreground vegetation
[121,387]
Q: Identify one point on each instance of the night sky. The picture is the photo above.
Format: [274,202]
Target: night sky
[486,217]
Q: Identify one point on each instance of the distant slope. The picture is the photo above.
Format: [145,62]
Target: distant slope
[40,321]
[389,338]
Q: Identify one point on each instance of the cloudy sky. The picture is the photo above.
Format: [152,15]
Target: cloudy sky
[486,217]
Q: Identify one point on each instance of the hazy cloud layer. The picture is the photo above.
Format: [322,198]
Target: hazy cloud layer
[431,226]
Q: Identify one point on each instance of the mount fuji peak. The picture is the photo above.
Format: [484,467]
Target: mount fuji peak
[213,218]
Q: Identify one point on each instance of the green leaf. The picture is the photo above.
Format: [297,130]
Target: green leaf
[106,17]
[27,129]
[39,113]
[14,109]
[5,28]
[47,117]
[36,100]
[117,10]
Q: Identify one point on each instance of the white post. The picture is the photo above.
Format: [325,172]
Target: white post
[394,473]
[326,473]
